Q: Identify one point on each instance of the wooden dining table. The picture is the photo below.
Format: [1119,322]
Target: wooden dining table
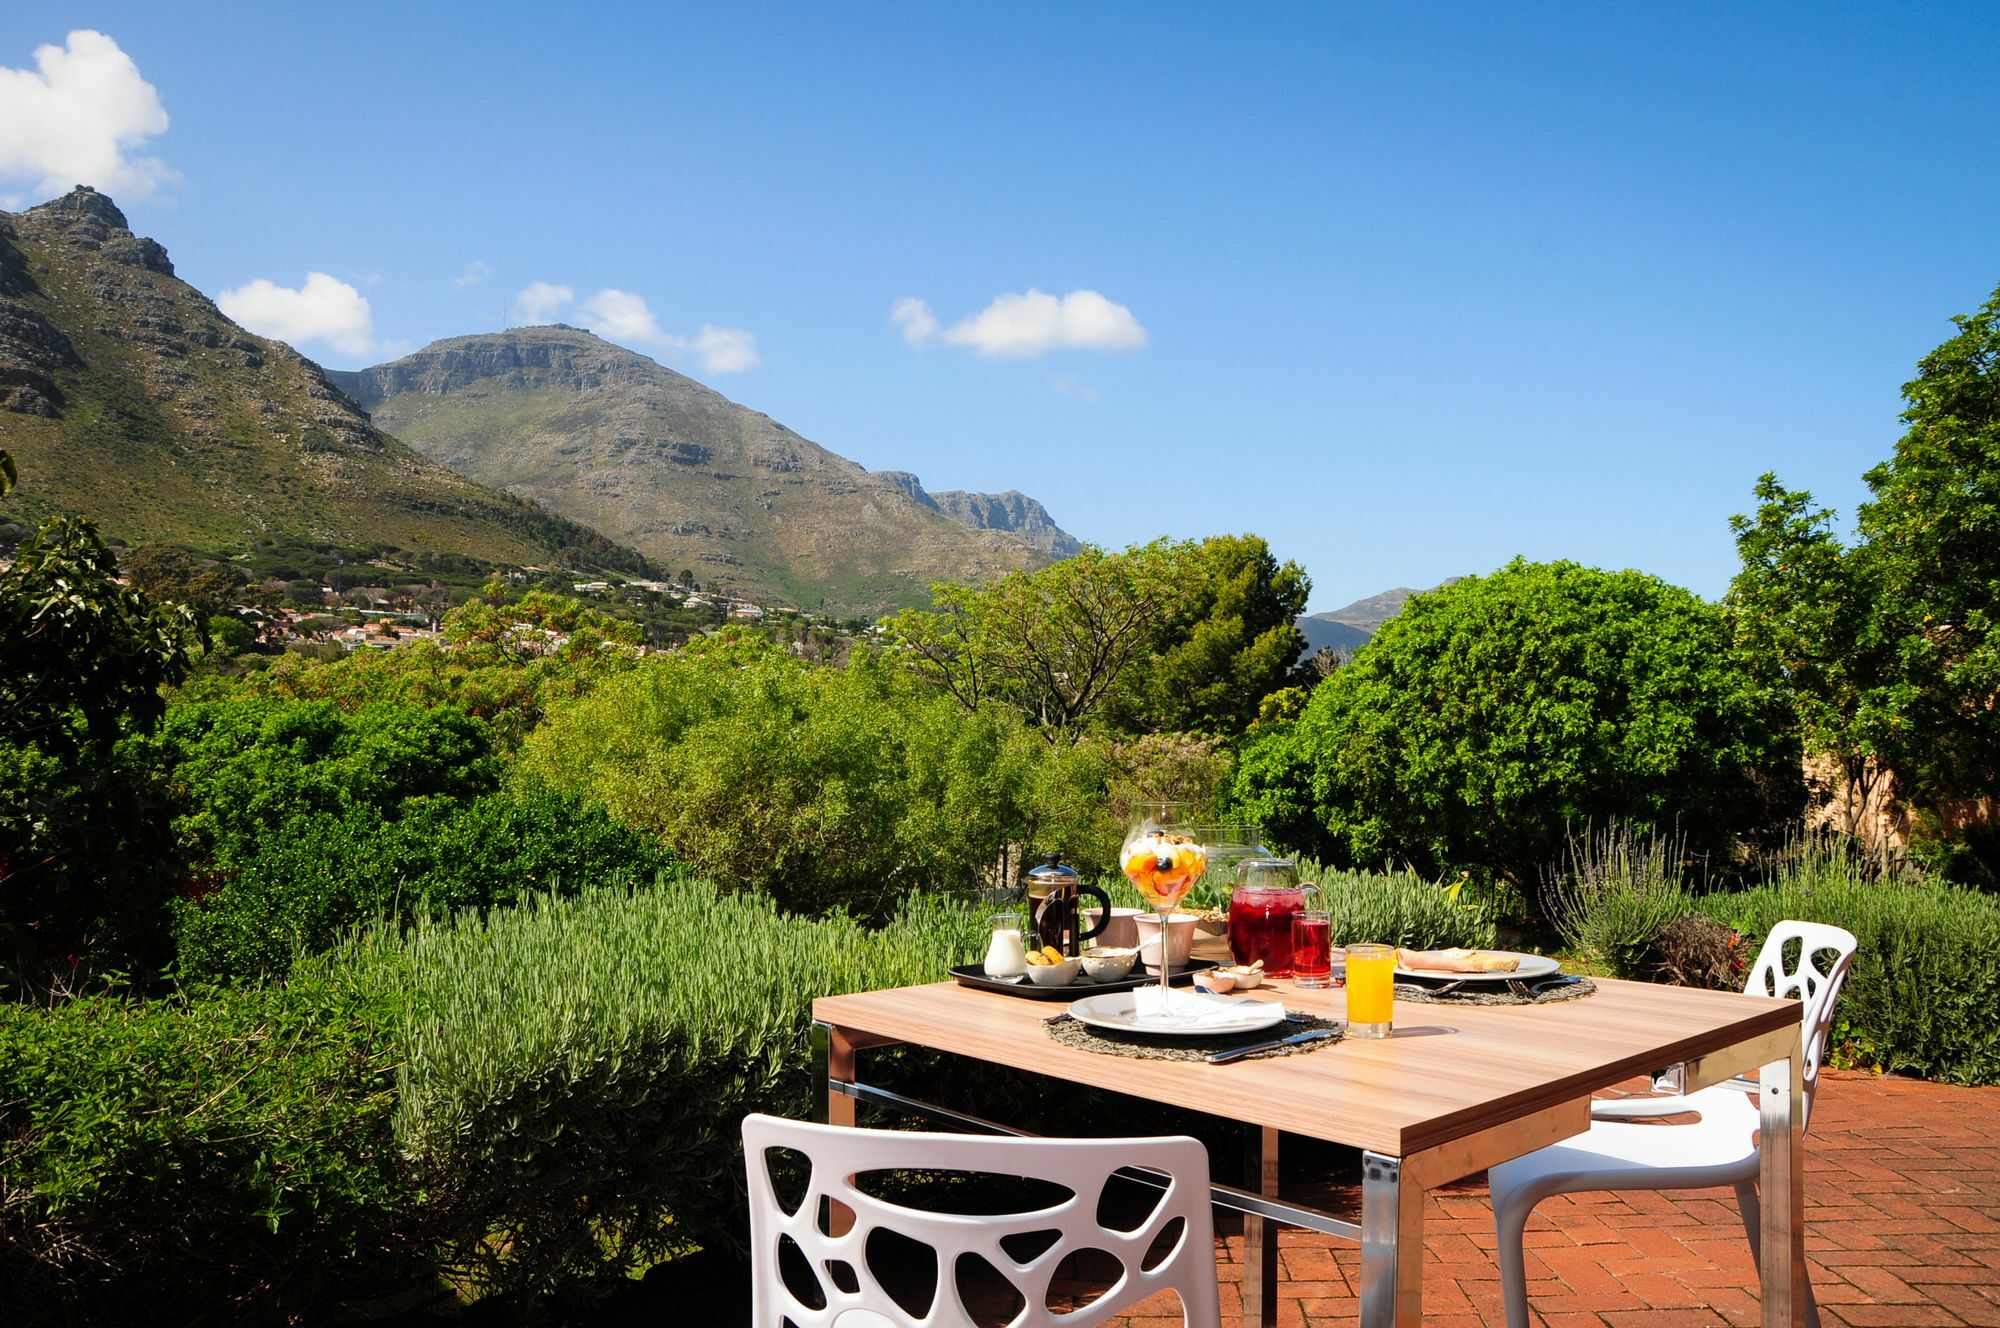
[1458,1088]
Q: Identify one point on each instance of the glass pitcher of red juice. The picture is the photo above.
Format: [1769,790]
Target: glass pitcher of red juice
[1266,898]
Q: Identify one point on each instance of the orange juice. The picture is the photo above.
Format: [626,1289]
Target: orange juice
[1371,989]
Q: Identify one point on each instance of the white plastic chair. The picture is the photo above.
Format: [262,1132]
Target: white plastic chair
[1717,1149]
[1024,1248]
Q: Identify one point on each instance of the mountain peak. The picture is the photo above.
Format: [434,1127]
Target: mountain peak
[90,221]
[682,473]
[86,202]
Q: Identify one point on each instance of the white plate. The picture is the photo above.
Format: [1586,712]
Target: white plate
[1532,966]
[1193,1014]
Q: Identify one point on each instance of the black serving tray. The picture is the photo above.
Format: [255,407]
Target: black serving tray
[973,975]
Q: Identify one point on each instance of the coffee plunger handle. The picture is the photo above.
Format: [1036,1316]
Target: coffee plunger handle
[1103,910]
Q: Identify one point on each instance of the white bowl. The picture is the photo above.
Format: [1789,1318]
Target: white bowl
[1218,980]
[1055,975]
[1246,977]
[1110,964]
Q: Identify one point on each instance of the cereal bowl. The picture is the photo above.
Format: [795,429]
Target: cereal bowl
[1218,980]
[1248,976]
[1109,963]
[1055,975]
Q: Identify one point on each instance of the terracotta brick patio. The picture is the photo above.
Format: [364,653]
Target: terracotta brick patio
[1903,1231]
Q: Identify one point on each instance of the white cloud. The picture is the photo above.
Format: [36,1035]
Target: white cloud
[620,315]
[475,272]
[541,302]
[726,349]
[79,117]
[915,319]
[325,309]
[1069,385]
[1034,323]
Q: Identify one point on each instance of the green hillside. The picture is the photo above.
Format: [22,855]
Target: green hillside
[126,395]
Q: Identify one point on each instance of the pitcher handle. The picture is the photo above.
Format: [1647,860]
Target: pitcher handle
[1103,910]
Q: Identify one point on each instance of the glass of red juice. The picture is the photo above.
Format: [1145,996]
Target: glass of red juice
[1260,915]
[1312,947]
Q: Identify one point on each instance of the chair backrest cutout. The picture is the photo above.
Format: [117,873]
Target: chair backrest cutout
[818,1261]
[1808,960]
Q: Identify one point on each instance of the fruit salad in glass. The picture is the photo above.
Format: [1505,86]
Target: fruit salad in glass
[1163,867]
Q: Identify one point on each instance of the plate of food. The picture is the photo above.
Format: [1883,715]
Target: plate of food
[1190,1014]
[1461,965]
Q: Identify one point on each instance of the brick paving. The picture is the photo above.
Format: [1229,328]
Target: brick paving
[1902,1231]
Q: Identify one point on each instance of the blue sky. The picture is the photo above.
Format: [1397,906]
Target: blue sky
[1408,292]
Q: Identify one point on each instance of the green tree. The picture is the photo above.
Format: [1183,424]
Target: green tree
[822,787]
[1930,540]
[83,661]
[1232,643]
[1161,637]
[1494,715]
[1804,606]
[1060,645]
[1887,646]
[169,576]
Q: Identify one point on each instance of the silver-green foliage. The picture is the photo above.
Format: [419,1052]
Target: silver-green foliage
[1399,908]
[575,1070]
[1926,977]
[1618,890]
[1394,908]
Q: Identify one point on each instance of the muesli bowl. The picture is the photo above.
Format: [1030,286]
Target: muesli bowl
[1058,974]
[1109,963]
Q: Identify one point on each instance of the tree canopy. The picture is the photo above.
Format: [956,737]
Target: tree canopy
[1161,637]
[1887,645]
[1494,716]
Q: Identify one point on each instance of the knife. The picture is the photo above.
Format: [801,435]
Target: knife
[1310,1035]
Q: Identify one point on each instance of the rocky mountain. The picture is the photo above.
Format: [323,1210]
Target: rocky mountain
[1347,628]
[126,395]
[1322,633]
[690,478]
[1010,511]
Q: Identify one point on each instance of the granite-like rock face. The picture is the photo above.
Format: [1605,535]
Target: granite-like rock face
[692,479]
[1010,511]
[127,396]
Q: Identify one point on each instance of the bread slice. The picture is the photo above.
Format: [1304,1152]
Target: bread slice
[1459,960]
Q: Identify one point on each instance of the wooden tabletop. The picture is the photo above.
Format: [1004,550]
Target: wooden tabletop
[1450,1071]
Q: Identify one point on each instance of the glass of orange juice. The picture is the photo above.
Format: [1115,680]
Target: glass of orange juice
[1371,990]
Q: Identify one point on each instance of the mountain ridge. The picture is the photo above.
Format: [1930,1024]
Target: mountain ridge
[687,476]
[126,395]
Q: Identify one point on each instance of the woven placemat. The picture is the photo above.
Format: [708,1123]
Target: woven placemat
[1073,1032]
[1417,994]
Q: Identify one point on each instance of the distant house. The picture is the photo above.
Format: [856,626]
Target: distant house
[592,587]
[746,611]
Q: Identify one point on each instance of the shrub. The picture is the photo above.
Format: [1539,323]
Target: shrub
[822,787]
[576,1069]
[1492,714]
[317,876]
[1399,908]
[181,1160]
[1615,895]
[83,661]
[248,765]
[1395,908]
[1698,951]
[1926,979]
